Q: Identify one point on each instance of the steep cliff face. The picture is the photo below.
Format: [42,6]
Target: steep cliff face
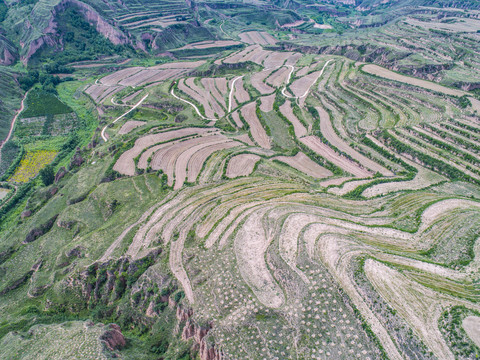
[39,29]
[8,52]
[198,333]
[93,17]
[138,291]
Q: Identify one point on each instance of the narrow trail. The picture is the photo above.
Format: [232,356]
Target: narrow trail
[288,80]
[231,93]
[115,103]
[121,116]
[12,124]
[221,28]
[306,92]
[191,104]
[196,108]
[15,188]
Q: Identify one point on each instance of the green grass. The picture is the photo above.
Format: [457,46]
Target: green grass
[41,103]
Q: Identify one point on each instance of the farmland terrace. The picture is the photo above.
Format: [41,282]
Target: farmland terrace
[264,202]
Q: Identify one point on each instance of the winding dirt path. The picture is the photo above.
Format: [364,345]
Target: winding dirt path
[12,124]
[121,116]
[231,93]
[306,92]
[191,104]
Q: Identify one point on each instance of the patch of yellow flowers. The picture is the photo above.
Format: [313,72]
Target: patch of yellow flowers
[31,165]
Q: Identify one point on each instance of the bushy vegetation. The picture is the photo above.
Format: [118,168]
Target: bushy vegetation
[43,103]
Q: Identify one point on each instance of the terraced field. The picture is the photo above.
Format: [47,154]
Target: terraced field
[313,207]
[268,252]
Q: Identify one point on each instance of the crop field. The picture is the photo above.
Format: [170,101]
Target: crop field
[256,37]
[31,165]
[109,85]
[277,201]
[303,244]
[65,341]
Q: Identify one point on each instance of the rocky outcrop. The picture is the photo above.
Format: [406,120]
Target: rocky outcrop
[8,52]
[41,230]
[198,333]
[113,337]
[93,17]
[60,174]
[49,36]
[77,160]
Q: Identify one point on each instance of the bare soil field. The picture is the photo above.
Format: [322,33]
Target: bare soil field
[323,150]
[471,324]
[221,84]
[241,165]
[276,59]
[266,104]
[286,110]
[257,81]
[130,125]
[214,97]
[251,244]
[166,158]
[198,94]
[292,60]
[180,65]
[197,160]
[322,26]
[385,73]
[301,86]
[257,56]
[257,37]
[327,131]
[245,139]
[422,314]
[454,25]
[239,56]
[303,163]
[256,129]
[278,77]
[126,165]
[293,24]
[116,77]
[236,119]
[183,160]
[239,92]
[210,44]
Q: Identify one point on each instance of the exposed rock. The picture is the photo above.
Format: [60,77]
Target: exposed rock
[77,160]
[60,174]
[209,352]
[8,57]
[75,252]
[37,265]
[94,18]
[198,333]
[183,314]
[52,191]
[188,330]
[48,35]
[66,224]
[150,310]
[113,337]
[26,214]
[41,230]
[17,283]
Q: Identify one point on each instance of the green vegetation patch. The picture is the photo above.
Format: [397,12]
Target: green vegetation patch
[42,103]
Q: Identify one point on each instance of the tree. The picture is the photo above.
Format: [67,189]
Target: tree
[47,175]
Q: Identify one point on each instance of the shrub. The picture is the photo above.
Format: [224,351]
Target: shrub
[47,175]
